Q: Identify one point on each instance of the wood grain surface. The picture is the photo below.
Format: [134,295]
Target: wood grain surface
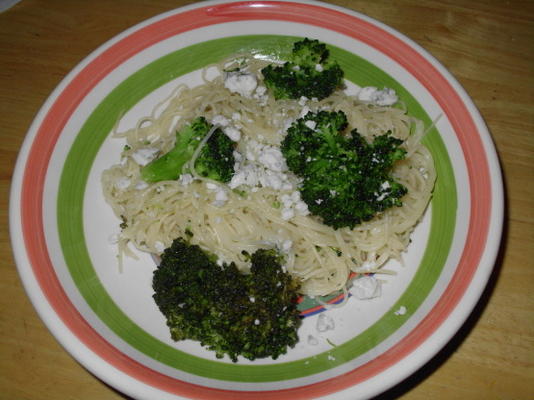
[487,45]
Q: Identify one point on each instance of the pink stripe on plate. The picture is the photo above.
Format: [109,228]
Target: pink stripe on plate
[350,25]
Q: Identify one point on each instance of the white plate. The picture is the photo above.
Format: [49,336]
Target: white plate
[107,320]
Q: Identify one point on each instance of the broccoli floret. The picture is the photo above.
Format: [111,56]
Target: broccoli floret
[345,179]
[254,315]
[309,72]
[306,136]
[215,160]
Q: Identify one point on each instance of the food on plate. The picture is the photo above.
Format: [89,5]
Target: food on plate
[345,179]
[199,147]
[278,159]
[253,315]
[309,72]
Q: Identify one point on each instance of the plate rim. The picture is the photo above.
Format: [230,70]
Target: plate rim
[470,297]
[83,265]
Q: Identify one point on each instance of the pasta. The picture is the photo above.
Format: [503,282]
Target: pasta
[155,214]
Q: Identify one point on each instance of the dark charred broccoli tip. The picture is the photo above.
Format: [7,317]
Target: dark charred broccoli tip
[253,315]
[308,73]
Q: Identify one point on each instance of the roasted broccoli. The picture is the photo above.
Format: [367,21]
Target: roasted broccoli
[345,179]
[309,72]
[254,315]
[215,160]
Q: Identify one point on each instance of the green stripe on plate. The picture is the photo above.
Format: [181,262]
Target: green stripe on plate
[80,159]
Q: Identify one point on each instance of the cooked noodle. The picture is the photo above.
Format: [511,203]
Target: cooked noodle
[155,214]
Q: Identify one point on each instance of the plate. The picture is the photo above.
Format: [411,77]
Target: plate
[106,318]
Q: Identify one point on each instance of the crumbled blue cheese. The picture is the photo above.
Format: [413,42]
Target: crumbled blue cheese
[261,165]
[293,205]
[401,311]
[238,157]
[240,82]
[301,208]
[244,175]
[289,199]
[221,197]
[381,196]
[367,94]
[286,245]
[275,180]
[325,323]
[272,158]
[384,97]
[303,100]
[287,123]
[383,191]
[261,95]
[305,110]
[229,130]
[144,155]
[366,287]
[233,133]
[122,183]
[220,120]
[311,124]
[287,214]
[159,246]
[186,179]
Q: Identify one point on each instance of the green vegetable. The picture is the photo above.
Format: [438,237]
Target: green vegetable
[254,315]
[309,72]
[345,179]
[215,160]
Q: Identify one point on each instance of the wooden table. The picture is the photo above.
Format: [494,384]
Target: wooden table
[489,47]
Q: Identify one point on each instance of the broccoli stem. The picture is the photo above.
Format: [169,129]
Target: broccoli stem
[210,148]
[167,167]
